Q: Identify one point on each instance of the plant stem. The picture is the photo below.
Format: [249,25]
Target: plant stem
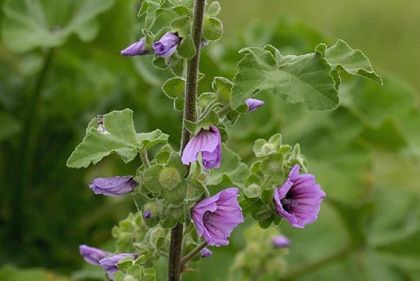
[190,114]
[193,253]
[144,158]
[24,156]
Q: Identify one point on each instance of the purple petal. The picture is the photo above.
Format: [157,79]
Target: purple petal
[208,142]
[217,216]
[113,186]
[167,45]
[92,255]
[253,104]
[299,199]
[205,253]
[110,264]
[280,241]
[136,49]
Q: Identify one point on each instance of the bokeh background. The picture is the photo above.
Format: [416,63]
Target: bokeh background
[56,76]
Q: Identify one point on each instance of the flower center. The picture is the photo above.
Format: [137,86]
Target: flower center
[289,204]
[208,218]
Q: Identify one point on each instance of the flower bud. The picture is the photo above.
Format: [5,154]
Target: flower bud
[151,213]
[169,178]
[167,44]
[110,264]
[147,214]
[253,104]
[205,253]
[136,49]
[92,255]
[280,241]
[113,186]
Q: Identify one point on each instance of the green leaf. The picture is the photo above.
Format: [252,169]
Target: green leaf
[213,9]
[182,25]
[119,137]
[304,78]
[148,140]
[174,89]
[354,62]
[186,49]
[223,88]
[231,167]
[213,29]
[263,148]
[33,24]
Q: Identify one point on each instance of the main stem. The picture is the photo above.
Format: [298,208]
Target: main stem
[190,114]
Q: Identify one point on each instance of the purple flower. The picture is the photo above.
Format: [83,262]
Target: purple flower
[167,44]
[136,49]
[92,255]
[299,199]
[205,253]
[217,216]
[253,104]
[110,264]
[147,214]
[280,241]
[113,186]
[208,142]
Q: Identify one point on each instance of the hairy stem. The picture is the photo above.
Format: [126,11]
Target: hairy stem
[190,114]
[193,253]
[144,158]
[24,156]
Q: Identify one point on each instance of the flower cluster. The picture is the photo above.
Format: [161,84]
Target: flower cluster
[164,48]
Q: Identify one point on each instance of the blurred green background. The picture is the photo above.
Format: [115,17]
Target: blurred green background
[365,154]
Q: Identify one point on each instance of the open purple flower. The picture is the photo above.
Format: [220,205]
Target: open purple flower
[217,216]
[110,264]
[92,255]
[136,49]
[280,241]
[299,199]
[167,44]
[253,104]
[206,252]
[208,142]
[113,186]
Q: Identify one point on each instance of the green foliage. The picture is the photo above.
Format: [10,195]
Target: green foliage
[46,24]
[312,78]
[265,258]
[354,62]
[174,89]
[358,152]
[294,78]
[115,133]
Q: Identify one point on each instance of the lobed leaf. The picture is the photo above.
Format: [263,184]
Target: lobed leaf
[304,78]
[352,61]
[118,135]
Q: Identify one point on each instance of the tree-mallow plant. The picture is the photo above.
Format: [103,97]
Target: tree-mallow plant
[192,198]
